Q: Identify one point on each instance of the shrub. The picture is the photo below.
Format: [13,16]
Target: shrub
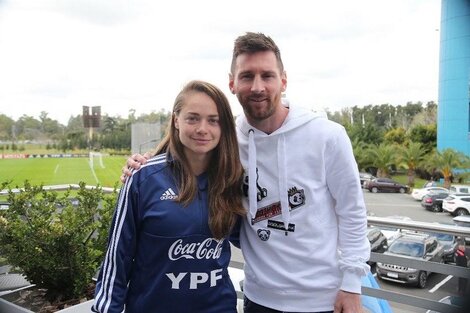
[56,242]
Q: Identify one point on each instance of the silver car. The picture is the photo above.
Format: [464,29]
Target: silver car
[417,246]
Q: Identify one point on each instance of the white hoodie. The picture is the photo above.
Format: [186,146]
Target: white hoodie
[307,178]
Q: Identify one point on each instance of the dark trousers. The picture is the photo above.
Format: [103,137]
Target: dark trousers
[251,307]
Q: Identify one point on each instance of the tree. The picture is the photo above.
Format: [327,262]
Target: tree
[49,127]
[382,157]
[411,157]
[447,162]
[109,124]
[359,151]
[27,126]
[6,125]
[395,136]
[368,133]
[426,134]
[428,116]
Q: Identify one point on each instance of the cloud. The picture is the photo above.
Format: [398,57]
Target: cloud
[121,54]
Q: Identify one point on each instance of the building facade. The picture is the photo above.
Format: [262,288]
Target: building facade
[453,120]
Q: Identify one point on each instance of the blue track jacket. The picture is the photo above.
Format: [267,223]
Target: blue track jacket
[161,256]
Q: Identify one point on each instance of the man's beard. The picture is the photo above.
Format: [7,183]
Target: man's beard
[254,113]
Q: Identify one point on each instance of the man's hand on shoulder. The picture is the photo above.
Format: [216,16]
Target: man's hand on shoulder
[135,161]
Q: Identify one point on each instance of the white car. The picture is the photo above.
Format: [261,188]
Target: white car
[419,193]
[457,204]
[459,189]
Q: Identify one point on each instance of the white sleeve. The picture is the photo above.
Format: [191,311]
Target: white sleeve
[344,185]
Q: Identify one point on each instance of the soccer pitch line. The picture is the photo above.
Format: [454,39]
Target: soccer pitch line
[90,162]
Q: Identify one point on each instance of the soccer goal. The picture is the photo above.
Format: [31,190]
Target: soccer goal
[99,158]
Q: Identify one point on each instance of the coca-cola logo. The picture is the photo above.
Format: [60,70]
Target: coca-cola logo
[196,250]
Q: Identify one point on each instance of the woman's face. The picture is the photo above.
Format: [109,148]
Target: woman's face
[198,125]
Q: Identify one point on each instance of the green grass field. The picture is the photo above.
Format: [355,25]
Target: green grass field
[57,171]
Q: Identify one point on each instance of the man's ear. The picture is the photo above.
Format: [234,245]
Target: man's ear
[230,83]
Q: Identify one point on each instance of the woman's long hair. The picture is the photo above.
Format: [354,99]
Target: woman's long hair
[225,172]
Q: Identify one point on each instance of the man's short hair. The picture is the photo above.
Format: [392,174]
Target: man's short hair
[255,42]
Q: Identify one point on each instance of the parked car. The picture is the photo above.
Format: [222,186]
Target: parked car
[459,189]
[449,245]
[391,232]
[377,240]
[365,178]
[419,193]
[464,221]
[433,201]
[417,246]
[457,204]
[385,185]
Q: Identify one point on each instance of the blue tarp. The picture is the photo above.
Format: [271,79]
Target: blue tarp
[374,305]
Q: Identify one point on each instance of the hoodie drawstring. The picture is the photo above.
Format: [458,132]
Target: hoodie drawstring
[253,178]
[283,193]
[252,175]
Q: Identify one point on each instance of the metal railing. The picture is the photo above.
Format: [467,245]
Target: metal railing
[447,269]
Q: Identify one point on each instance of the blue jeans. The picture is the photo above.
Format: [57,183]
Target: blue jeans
[251,307]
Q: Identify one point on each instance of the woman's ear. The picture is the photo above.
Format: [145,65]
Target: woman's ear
[175,120]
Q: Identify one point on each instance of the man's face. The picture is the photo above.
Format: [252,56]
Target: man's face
[258,83]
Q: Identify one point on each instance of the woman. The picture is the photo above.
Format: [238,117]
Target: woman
[168,250]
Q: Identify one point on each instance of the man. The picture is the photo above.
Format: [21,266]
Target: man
[304,237]
[461,260]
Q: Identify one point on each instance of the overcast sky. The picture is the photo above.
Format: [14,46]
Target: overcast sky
[59,55]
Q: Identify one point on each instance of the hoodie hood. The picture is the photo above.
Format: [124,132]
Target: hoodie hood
[253,137]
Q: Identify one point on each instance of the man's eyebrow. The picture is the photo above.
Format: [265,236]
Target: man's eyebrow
[262,72]
[245,72]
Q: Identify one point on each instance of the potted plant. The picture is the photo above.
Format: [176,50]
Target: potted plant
[56,241]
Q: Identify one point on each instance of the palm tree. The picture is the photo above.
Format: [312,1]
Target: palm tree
[411,157]
[446,162]
[359,149]
[382,157]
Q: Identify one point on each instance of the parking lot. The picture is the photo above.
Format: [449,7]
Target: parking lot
[387,204]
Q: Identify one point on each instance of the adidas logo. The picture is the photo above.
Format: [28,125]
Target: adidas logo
[169,194]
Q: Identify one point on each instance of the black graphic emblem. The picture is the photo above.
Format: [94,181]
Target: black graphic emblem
[296,197]
[264,234]
[262,192]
